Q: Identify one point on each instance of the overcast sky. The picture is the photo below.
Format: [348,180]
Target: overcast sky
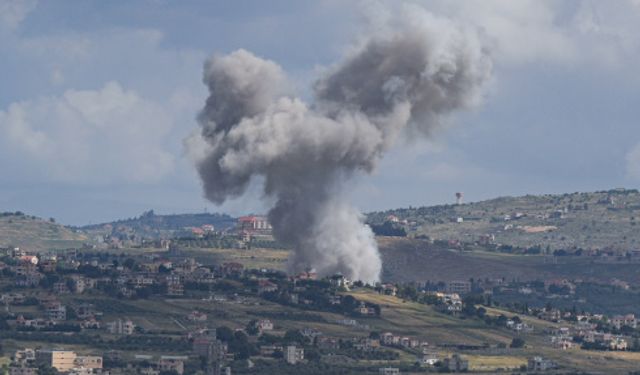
[96,98]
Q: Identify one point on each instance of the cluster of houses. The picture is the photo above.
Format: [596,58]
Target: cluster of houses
[26,362]
[585,331]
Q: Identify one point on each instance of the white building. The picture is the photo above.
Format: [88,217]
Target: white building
[120,327]
[294,354]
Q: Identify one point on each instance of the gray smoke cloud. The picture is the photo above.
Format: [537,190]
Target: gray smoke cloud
[410,76]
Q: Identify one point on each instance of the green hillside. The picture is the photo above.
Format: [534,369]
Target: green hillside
[598,220]
[33,233]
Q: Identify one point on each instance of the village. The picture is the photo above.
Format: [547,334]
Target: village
[39,290]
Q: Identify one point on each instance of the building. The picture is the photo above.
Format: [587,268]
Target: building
[620,321]
[62,360]
[120,327]
[172,363]
[89,362]
[293,354]
[540,364]
[456,363]
[265,325]
[197,316]
[253,224]
[459,287]
[209,347]
[389,371]
[55,311]
[428,358]
[23,371]
[174,285]
[266,286]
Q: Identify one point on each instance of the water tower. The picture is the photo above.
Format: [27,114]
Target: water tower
[459,196]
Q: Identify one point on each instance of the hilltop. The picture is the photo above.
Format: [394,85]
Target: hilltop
[33,233]
[152,226]
[596,220]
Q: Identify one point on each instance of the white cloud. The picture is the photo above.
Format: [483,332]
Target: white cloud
[13,12]
[108,135]
[532,31]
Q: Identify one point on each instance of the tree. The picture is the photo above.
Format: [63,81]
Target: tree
[252,328]
[224,333]
[293,336]
[517,342]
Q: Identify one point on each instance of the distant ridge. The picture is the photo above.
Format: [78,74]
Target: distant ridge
[608,219]
[170,221]
[34,233]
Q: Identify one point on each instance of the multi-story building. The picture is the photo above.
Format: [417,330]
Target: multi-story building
[455,363]
[55,311]
[293,354]
[61,360]
[172,363]
[459,286]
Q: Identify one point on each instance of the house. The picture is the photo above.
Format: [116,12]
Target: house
[619,321]
[89,362]
[456,363]
[120,327]
[197,316]
[429,358]
[90,323]
[79,284]
[561,342]
[618,343]
[265,286]
[85,311]
[310,333]
[363,309]
[389,371]
[265,325]
[328,343]
[172,363]
[28,279]
[339,281]
[23,357]
[12,298]
[540,364]
[389,289]
[366,344]
[269,350]
[293,354]
[389,339]
[60,287]
[232,268]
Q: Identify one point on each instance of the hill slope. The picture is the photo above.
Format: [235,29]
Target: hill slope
[152,226]
[32,233]
[597,220]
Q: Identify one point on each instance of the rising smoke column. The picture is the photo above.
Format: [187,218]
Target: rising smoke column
[407,78]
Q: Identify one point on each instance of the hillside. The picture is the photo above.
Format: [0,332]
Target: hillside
[33,233]
[152,226]
[598,220]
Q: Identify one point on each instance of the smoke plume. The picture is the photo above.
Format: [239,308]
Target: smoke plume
[411,77]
